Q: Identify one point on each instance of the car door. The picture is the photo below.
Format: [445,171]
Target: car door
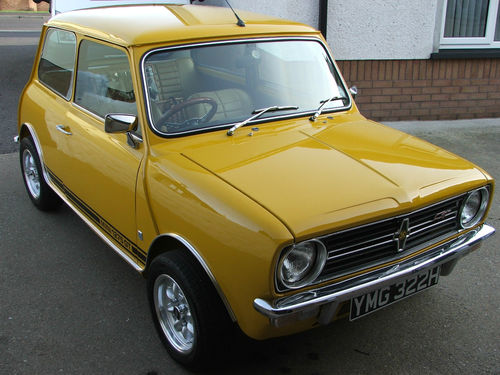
[100,169]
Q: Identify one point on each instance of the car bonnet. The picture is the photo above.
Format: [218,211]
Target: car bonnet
[317,177]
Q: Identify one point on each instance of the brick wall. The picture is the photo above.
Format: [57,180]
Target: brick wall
[394,90]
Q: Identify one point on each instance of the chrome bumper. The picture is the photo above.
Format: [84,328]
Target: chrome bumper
[323,302]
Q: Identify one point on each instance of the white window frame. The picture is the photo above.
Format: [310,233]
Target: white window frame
[477,42]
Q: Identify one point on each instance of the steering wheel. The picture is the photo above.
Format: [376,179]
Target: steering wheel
[192,122]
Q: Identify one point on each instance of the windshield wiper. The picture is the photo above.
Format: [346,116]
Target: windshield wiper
[257,113]
[323,103]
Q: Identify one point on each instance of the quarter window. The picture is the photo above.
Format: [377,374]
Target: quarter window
[103,80]
[57,62]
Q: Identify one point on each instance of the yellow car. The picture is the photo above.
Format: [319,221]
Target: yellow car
[226,160]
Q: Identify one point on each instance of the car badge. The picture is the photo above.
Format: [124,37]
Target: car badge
[401,236]
[441,215]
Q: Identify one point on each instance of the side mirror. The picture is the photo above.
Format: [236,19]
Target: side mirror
[119,123]
[354,91]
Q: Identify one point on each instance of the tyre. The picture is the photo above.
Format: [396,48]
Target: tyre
[189,316]
[41,194]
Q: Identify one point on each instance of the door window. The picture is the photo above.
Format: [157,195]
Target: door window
[103,80]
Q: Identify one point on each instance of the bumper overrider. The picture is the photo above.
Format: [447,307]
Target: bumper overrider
[323,302]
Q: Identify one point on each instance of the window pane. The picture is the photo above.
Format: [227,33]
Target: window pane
[497,28]
[57,62]
[103,80]
[466,18]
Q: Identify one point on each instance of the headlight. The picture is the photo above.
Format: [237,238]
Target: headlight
[474,207]
[301,264]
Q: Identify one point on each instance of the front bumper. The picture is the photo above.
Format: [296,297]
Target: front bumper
[324,302]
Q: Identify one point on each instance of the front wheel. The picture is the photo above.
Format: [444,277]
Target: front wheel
[188,313]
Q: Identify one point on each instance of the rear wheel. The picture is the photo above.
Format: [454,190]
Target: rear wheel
[39,192]
[189,316]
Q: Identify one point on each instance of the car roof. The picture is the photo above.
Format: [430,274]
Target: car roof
[153,24]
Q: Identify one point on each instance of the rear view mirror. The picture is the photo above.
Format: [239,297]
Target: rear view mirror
[354,91]
[119,123]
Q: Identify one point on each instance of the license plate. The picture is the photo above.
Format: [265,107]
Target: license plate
[376,299]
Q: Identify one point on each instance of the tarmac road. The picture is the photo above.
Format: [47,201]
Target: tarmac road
[19,35]
[69,305]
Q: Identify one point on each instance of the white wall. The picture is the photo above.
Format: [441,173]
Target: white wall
[363,29]
[381,29]
[304,11]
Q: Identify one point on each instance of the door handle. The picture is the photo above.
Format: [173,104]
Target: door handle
[61,128]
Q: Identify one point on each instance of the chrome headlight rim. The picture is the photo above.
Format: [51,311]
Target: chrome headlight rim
[316,269]
[483,206]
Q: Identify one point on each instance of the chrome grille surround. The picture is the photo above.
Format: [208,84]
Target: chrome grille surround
[367,246]
[356,249]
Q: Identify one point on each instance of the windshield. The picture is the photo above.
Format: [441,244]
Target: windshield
[213,86]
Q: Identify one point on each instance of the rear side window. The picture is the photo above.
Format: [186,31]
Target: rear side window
[57,63]
[103,80]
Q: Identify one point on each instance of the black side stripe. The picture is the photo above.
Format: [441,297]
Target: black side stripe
[129,247]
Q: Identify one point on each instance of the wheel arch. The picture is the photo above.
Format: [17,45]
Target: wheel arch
[25,131]
[171,241]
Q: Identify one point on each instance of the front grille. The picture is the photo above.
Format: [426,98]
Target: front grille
[373,244]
